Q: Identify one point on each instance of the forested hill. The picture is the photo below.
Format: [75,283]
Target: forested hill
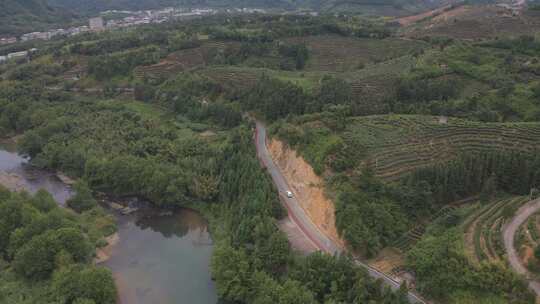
[18,16]
[100,5]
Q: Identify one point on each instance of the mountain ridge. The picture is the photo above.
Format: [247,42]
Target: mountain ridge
[20,16]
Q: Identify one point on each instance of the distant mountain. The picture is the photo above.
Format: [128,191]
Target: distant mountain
[101,5]
[19,16]
[324,5]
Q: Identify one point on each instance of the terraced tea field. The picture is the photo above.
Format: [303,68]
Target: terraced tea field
[332,53]
[234,77]
[483,229]
[397,145]
[377,80]
[244,77]
[414,235]
[183,60]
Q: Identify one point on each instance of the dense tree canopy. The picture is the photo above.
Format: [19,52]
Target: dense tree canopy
[47,252]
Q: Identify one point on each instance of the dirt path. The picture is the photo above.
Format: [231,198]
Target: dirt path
[309,231]
[509,233]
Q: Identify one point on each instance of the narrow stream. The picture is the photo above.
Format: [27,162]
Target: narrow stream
[160,257]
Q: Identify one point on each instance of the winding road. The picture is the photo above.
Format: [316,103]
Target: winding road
[302,220]
[509,233]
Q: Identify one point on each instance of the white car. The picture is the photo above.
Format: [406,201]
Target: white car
[289,194]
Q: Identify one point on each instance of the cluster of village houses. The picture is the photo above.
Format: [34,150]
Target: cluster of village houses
[99,24]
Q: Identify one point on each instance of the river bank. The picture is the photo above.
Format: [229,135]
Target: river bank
[11,181]
[156,256]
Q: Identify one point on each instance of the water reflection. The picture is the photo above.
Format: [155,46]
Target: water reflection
[163,259]
[177,224]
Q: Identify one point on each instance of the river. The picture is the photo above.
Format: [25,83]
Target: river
[159,258]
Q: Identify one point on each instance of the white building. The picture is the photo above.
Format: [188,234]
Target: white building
[35,35]
[8,40]
[96,24]
[3,58]
[17,55]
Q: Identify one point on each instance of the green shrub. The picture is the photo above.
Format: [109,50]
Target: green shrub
[78,284]
[83,199]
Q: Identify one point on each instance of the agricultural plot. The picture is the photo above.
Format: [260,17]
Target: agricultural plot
[375,82]
[483,229]
[414,235]
[476,22]
[245,77]
[183,60]
[233,77]
[397,145]
[332,53]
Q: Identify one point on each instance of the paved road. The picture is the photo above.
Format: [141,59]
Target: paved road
[509,233]
[297,214]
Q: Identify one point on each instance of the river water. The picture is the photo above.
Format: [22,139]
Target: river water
[31,179]
[163,259]
[160,257]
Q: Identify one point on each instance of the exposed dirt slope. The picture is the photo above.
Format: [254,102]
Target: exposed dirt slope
[404,21]
[307,187]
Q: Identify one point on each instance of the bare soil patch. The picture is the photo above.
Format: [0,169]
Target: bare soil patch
[404,21]
[476,22]
[103,254]
[11,181]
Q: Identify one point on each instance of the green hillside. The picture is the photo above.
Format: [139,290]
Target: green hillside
[395,145]
[17,17]
[27,15]
[389,6]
